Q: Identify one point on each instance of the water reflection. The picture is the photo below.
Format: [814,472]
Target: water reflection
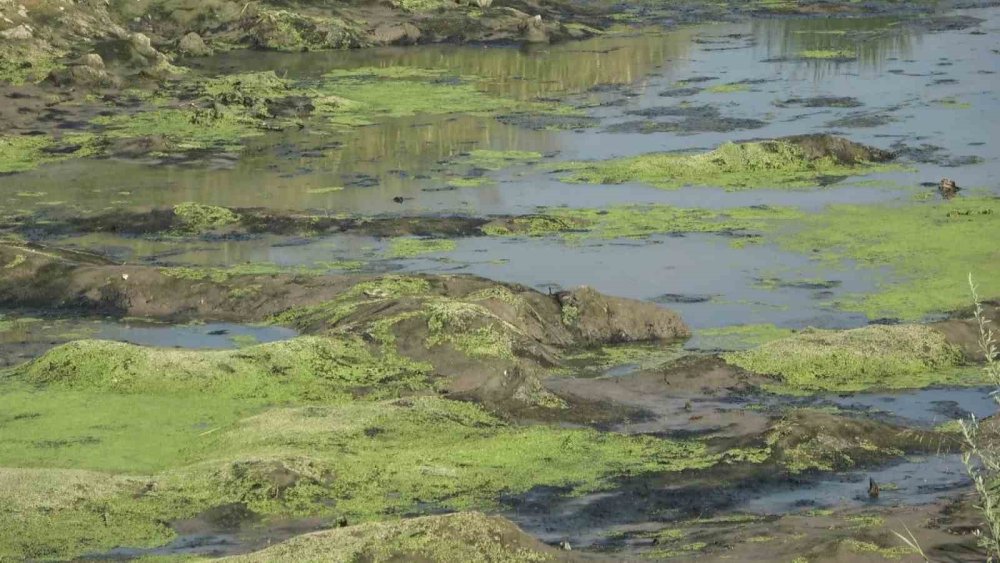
[869,41]
[525,73]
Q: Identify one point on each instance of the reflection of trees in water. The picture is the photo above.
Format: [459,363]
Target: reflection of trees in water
[546,70]
[872,40]
[521,73]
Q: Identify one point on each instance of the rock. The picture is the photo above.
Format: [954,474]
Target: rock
[143,46]
[402,34]
[948,188]
[88,72]
[22,32]
[192,44]
[602,319]
[92,60]
[534,30]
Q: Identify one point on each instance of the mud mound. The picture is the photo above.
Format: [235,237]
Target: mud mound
[465,536]
[841,150]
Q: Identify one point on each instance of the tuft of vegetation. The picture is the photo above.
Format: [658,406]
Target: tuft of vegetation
[196,218]
[982,445]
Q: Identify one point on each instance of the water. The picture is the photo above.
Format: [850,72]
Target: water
[898,75]
[25,338]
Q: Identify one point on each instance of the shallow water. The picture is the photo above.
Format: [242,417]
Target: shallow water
[898,74]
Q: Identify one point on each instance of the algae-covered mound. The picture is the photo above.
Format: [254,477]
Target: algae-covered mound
[359,461]
[466,536]
[305,368]
[877,356]
[788,162]
[811,440]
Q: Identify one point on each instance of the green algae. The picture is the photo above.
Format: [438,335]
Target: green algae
[90,429]
[27,152]
[639,221]
[301,369]
[408,247]
[777,164]
[50,514]
[461,324]
[196,218]
[737,337]
[428,452]
[730,88]
[930,249]
[449,453]
[182,129]
[873,357]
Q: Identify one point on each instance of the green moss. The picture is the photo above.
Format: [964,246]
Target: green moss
[301,369]
[195,218]
[827,54]
[878,356]
[930,249]
[775,164]
[737,337]
[22,153]
[407,247]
